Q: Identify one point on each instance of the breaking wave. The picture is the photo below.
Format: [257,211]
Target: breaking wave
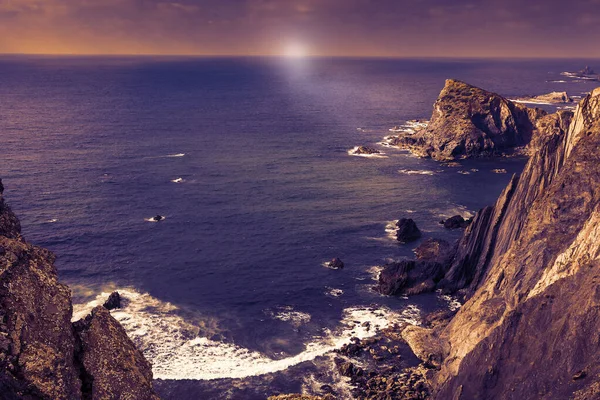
[177,352]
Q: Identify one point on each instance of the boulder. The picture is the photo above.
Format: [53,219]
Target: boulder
[456,222]
[113,301]
[409,277]
[436,250]
[407,230]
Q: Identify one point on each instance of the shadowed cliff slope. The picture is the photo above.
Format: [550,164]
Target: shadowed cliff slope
[42,355]
[470,122]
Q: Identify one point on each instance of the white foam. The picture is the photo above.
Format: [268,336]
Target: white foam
[415,172]
[153,220]
[391,228]
[333,292]
[177,180]
[171,343]
[353,152]
[288,314]
[51,221]
[499,171]
[176,155]
[464,172]
[452,301]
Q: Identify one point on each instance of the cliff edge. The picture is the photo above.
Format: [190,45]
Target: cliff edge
[530,268]
[42,354]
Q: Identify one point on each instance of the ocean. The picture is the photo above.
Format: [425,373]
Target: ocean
[248,161]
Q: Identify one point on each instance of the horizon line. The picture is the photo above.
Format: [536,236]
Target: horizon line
[398,57]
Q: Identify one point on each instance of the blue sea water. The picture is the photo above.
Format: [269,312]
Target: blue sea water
[247,158]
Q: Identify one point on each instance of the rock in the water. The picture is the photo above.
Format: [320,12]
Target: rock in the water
[552,97]
[113,301]
[407,230]
[471,122]
[336,263]
[365,150]
[456,222]
[158,218]
[587,71]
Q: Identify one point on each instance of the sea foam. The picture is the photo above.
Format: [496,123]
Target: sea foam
[176,351]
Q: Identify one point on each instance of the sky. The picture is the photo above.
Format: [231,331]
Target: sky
[377,28]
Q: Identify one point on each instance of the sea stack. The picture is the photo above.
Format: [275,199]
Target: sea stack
[471,122]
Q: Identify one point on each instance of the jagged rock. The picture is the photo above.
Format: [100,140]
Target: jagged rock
[39,353]
[470,122]
[113,367]
[336,263]
[113,301]
[407,230]
[365,150]
[456,222]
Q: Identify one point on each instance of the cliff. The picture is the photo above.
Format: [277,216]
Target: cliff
[42,354]
[530,267]
[470,122]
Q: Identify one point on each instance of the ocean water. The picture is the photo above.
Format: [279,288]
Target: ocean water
[248,161]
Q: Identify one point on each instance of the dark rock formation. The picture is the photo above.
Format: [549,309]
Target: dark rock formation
[407,230]
[409,277]
[471,122]
[365,150]
[158,218]
[113,301]
[529,266]
[456,222]
[587,71]
[336,263]
[39,353]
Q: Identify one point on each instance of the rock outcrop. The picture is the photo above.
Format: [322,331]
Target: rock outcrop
[530,268]
[407,230]
[552,97]
[471,122]
[41,354]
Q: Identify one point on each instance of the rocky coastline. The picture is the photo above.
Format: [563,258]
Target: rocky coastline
[43,355]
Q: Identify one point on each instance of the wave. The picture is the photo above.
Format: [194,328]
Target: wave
[176,351]
[415,172]
[333,292]
[175,155]
[151,219]
[353,152]
[177,180]
[288,314]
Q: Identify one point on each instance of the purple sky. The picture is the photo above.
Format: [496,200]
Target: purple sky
[398,28]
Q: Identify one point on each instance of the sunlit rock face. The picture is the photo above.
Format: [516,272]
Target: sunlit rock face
[471,122]
[530,328]
[41,355]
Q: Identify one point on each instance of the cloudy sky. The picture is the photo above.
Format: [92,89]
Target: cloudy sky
[397,28]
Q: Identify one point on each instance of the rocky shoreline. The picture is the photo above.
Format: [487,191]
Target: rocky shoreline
[43,355]
[527,269]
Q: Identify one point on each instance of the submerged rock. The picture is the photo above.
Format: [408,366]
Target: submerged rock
[336,263]
[407,230]
[470,122]
[158,218]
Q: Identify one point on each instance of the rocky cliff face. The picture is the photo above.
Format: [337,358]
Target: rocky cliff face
[42,355]
[531,266]
[471,122]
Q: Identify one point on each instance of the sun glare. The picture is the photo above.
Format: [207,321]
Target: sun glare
[295,50]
